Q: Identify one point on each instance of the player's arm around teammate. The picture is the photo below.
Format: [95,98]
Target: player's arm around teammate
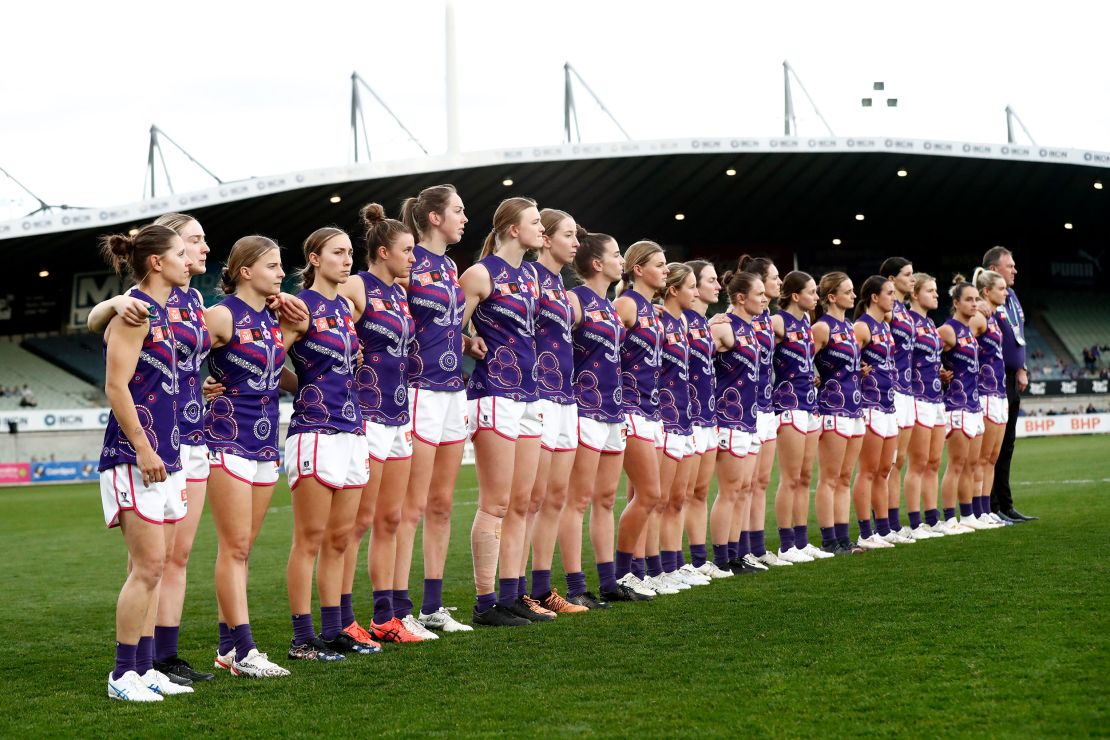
[992,385]
[141,483]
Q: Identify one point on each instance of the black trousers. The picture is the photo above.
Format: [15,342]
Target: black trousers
[1002,498]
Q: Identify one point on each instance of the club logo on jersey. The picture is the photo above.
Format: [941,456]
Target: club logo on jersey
[745,341]
[243,321]
[508,288]
[246,336]
[279,340]
[320,310]
[839,337]
[555,295]
[350,324]
[597,315]
[646,322]
[427,278]
[378,304]
[922,331]
[674,338]
[405,310]
[760,325]
[797,336]
[698,334]
[966,341]
[158,334]
[326,322]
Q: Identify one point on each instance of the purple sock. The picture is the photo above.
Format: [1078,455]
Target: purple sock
[331,620]
[801,536]
[244,640]
[522,585]
[383,606]
[865,529]
[506,591]
[125,659]
[347,608]
[639,567]
[541,584]
[894,519]
[679,558]
[225,639]
[654,565]
[915,519]
[828,536]
[720,556]
[623,564]
[485,602]
[969,508]
[698,555]
[759,543]
[786,538]
[576,582]
[841,532]
[668,561]
[932,516]
[303,631]
[165,643]
[882,524]
[949,512]
[734,550]
[433,596]
[606,577]
[402,604]
[983,510]
[144,654]
[745,544]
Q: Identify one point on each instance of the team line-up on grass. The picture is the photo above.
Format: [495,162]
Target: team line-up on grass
[569,389]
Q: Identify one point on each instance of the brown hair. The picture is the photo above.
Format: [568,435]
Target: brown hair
[174,221]
[591,246]
[551,218]
[636,256]
[830,281]
[506,216]
[760,266]
[415,210]
[130,255]
[959,284]
[244,253]
[739,283]
[993,256]
[312,245]
[380,231]
[698,266]
[872,286]
[794,282]
[893,265]
[677,272]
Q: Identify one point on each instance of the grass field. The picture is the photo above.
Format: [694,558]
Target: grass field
[997,633]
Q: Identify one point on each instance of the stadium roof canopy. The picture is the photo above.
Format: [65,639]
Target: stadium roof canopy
[786,195]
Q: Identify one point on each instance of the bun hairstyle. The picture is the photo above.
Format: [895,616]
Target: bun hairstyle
[379,230]
[313,245]
[959,284]
[893,265]
[677,272]
[871,287]
[244,253]
[760,266]
[636,256]
[985,279]
[415,210]
[794,282]
[175,221]
[130,255]
[739,283]
[591,246]
[506,216]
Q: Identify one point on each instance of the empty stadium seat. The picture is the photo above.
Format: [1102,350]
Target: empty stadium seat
[53,387]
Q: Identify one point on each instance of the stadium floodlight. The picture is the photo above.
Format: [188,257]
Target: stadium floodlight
[156,136]
[357,84]
[836,242]
[507,182]
[44,273]
[902,173]
[1098,184]
[570,112]
[1011,116]
[791,121]
[680,217]
[1068,226]
[730,172]
[859,216]
[335,198]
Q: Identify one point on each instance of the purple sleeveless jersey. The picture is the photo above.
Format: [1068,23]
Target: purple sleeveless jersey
[244,420]
[793,365]
[324,359]
[838,365]
[436,301]
[738,378]
[190,334]
[765,333]
[506,320]
[962,393]
[674,377]
[640,360]
[554,342]
[925,378]
[992,366]
[903,330]
[155,388]
[597,358]
[877,388]
[385,331]
[703,405]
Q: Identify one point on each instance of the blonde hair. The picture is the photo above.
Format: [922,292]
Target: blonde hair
[636,256]
[244,253]
[677,272]
[506,216]
[985,279]
[175,221]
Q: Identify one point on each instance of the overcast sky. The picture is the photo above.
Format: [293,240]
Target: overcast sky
[254,88]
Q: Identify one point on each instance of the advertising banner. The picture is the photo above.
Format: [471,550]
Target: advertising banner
[14,473]
[1056,426]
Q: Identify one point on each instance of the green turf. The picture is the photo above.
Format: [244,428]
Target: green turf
[995,633]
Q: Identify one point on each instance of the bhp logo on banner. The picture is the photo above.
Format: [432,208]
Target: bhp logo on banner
[1043,426]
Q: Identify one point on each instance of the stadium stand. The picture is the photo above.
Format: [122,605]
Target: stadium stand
[53,387]
[80,354]
[1081,321]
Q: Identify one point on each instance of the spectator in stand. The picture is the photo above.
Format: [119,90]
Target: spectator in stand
[1012,322]
[27,397]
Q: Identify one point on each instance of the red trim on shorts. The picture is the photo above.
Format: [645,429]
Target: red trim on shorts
[728,448]
[196,480]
